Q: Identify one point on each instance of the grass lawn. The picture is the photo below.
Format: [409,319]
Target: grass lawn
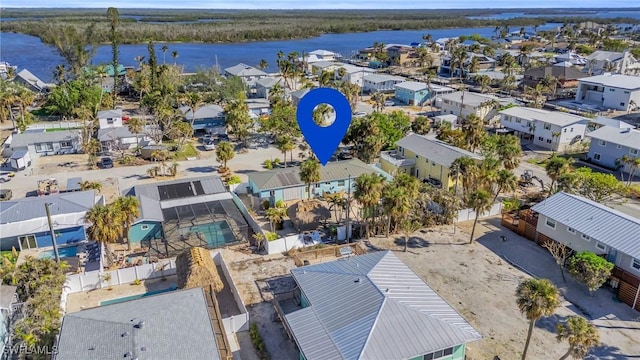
[188,151]
[543,161]
[61,129]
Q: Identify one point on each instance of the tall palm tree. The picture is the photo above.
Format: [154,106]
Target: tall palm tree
[129,208]
[193,100]
[378,99]
[106,223]
[480,202]
[224,153]
[368,193]
[395,202]
[174,55]
[505,181]
[263,64]
[484,81]
[556,166]
[474,131]
[581,335]
[136,126]
[310,173]
[285,144]
[467,169]
[509,151]
[164,49]
[276,215]
[536,298]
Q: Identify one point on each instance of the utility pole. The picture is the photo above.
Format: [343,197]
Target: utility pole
[348,208]
[53,235]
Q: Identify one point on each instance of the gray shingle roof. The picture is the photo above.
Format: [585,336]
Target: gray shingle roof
[434,149]
[176,326]
[289,177]
[626,137]
[29,138]
[149,195]
[106,114]
[244,70]
[33,207]
[384,311]
[209,111]
[608,226]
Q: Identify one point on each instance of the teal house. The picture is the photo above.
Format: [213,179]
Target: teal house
[371,307]
[412,92]
[285,184]
[178,214]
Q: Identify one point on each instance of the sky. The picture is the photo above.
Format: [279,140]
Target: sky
[325,4]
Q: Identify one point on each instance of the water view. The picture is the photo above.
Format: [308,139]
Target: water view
[635,14]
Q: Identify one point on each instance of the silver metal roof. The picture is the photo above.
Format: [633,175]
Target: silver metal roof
[608,226]
[558,118]
[372,307]
[244,70]
[176,326]
[106,114]
[434,149]
[209,111]
[627,137]
[412,85]
[29,208]
[114,133]
[29,138]
[614,80]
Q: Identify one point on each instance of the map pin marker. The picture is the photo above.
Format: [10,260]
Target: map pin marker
[324,140]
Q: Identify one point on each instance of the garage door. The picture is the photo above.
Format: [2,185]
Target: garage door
[294,193]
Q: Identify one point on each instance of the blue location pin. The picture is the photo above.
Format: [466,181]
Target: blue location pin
[324,140]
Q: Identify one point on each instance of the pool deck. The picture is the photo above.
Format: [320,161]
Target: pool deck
[92,298]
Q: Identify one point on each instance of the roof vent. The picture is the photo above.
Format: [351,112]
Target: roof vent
[626,130]
[143,349]
[386,291]
[128,354]
[140,324]
[357,280]
[125,334]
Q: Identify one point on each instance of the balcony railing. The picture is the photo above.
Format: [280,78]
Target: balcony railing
[396,159]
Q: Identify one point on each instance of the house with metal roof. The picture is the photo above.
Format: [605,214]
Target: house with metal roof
[585,225]
[32,82]
[372,306]
[601,61]
[248,74]
[179,214]
[412,92]
[464,103]
[425,158]
[609,144]
[353,74]
[381,82]
[264,86]
[610,91]
[173,325]
[24,221]
[210,118]
[40,142]
[285,183]
[553,130]
[110,118]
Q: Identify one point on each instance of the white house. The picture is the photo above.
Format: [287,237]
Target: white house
[610,144]
[610,91]
[110,118]
[40,142]
[320,66]
[381,82]
[247,73]
[353,74]
[553,130]
[323,55]
[264,86]
[466,103]
[601,61]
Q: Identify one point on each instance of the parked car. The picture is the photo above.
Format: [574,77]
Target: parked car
[220,137]
[209,145]
[106,163]
[5,194]
[206,138]
[6,176]
[389,103]
[359,114]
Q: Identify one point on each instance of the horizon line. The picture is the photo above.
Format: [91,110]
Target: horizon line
[314,9]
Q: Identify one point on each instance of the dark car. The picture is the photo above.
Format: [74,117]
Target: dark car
[220,137]
[106,163]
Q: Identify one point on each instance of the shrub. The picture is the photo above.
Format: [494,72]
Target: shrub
[279,204]
[590,269]
[266,205]
[509,205]
[234,179]
[268,164]
[277,161]
[272,236]
[257,341]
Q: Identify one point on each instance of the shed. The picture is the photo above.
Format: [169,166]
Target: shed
[195,268]
[20,160]
[146,151]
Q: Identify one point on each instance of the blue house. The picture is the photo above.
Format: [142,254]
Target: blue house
[412,92]
[192,212]
[285,184]
[24,221]
[208,117]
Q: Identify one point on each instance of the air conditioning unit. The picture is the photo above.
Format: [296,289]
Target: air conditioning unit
[614,283]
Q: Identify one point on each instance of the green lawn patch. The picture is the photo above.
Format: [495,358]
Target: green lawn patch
[61,129]
[188,151]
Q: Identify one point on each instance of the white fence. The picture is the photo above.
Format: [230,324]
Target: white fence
[469,214]
[94,280]
[252,222]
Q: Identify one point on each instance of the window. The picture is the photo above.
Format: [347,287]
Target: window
[633,151]
[438,354]
[540,138]
[612,90]
[586,237]
[596,156]
[621,104]
[42,147]
[547,126]
[548,141]
[635,263]
[571,130]
[551,223]
[144,227]
[518,121]
[601,246]
[571,230]
[327,183]
[565,130]
[618,146]
[340,182]
[602,143]
[110,120]
[626,91]
[65,144]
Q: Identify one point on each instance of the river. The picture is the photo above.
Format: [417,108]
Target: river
[29,52]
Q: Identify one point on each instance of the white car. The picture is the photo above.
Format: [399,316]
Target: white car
[209,145]
[359,114]
[389,103]
[6,176]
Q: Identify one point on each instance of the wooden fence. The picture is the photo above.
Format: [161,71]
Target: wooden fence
[318,255]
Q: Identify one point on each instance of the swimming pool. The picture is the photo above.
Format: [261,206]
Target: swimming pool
[69,251]
[136,297]
[216,234]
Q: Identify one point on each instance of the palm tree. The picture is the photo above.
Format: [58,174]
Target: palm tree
[467,169]
[633,163]
[164,53]
[276,215]
[162,156]
[395,202]
[136,126]
[285,143]
[129,207]
[378,98]
[193,100]
[263,64]
[484,81]
[174,55]
[480,202]
[310,173]
[509,151]
[368,193]
[474,132]
[556,166]
[106,223]
[90,185]
[581,335]
[505,181]
[421,125]
[224,153]
[536,298]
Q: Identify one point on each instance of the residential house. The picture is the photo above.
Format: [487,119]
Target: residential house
[41,142]
[600,121]
[110,118]
[571,57]
[318,67]
[352,74]
[25,226]
[466,103]
[381,82]
[600,62]
[412,92]
[610,91]
[8,297]
[610,144]
[324,55]
[210,118]
[425,158]
[264,86]
[382,323]
[285,183]
[553,130]
[31,82]
[485,63]
[187,212]
[147,328]
[297,95]
[564,73]
[585,225]
[399,55]
[247,73]
[451,119]
[121,138]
